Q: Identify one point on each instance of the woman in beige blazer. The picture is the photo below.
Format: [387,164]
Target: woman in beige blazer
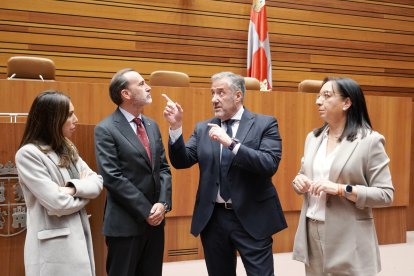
[344,174]
[57,184]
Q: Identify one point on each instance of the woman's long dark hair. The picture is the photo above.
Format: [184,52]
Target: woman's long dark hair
[357,119]
[47,115]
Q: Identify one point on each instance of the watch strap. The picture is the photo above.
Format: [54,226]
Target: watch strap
[166,206]
[234,142]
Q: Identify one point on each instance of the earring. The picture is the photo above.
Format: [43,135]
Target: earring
[343,108]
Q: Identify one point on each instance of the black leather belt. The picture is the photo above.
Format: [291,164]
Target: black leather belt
[225,205]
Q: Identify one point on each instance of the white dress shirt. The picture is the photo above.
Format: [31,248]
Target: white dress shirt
[175,134]
[321,167]
[130,118]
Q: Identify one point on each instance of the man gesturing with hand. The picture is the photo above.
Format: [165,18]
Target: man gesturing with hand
[237,208]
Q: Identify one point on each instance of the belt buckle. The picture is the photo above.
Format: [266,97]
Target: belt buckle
[228,207]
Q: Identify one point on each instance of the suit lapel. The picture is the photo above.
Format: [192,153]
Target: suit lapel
[245,124]
[215,145]
[340,160]
[63,171]
[125,129]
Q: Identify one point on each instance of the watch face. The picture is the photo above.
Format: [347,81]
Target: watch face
[348,188]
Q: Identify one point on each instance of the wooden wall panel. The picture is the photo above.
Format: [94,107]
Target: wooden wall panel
[95,94]
[11,247]
[297,115]
[390,224]
[410,208]
[83,139]
[384,112]
[180,245]
[370,41]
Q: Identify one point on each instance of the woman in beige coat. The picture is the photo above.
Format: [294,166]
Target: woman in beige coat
[344,174]
[57,184]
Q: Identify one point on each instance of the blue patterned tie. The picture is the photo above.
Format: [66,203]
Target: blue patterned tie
[225,164]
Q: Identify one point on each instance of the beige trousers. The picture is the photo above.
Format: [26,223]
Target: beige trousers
[316,238]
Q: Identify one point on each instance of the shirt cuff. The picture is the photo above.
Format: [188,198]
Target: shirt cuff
[236,148]
[175,134]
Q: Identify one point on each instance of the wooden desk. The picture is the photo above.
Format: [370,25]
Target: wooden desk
[297,115]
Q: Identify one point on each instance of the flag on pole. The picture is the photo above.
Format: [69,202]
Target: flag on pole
[259,62]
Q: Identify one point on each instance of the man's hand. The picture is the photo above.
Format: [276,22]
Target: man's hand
[173,113]
[216,133]
[156,215]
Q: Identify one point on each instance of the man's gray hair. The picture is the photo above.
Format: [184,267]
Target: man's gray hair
[235,82]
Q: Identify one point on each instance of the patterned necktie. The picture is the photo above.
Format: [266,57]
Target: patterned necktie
[142,135]
[225,164]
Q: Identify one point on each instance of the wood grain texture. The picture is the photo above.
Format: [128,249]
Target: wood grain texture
[11,248]
[297,115]
[410,208]
[370,41]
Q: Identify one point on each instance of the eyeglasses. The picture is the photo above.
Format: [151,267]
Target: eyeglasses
[324,95]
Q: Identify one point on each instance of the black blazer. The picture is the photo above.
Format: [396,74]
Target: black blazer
[133,184]
[255,200]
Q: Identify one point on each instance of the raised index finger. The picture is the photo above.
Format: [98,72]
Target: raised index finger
[167,98]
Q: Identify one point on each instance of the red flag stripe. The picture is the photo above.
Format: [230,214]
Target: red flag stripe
[260,22]
[259,62]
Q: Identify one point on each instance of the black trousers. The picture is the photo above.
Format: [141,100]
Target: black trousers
[224,236]
[138,255]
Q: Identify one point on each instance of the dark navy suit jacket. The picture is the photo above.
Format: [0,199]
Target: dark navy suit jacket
[133,183]
[255,200]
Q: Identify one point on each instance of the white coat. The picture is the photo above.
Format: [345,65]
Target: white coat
[58,238]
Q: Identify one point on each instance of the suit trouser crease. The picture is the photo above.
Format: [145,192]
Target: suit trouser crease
[138,255]
[224,236]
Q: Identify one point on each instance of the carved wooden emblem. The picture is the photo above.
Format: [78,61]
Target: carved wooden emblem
[12,203]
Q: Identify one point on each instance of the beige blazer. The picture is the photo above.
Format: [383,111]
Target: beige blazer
[351,246]
[58,238]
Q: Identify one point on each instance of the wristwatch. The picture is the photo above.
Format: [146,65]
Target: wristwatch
[167,208]
[234,142]
[348,190]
